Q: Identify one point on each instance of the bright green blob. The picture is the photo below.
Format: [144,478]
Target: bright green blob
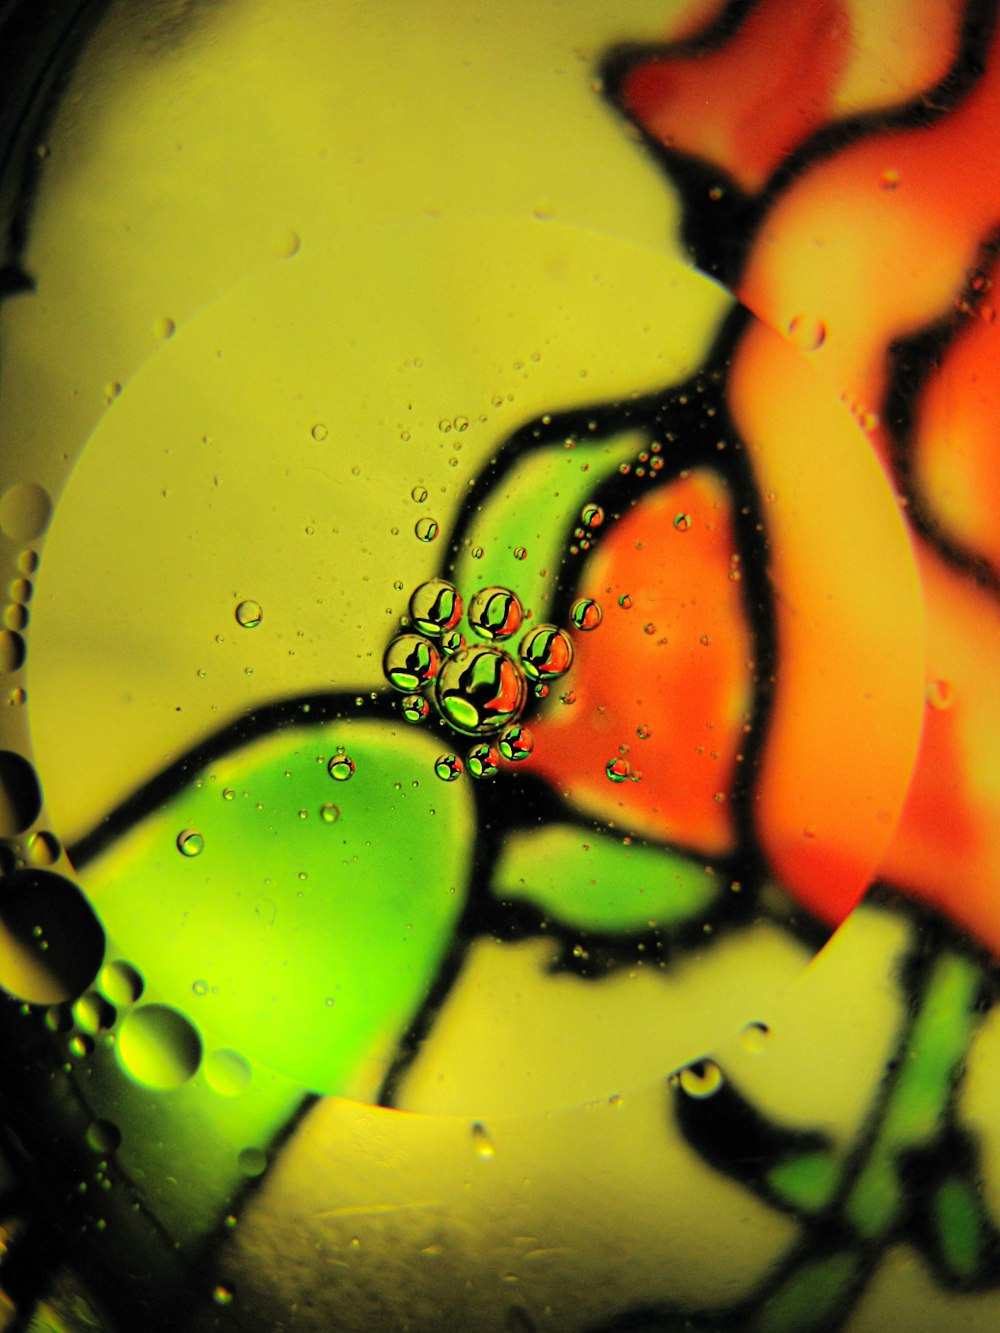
[807,1182]
[958,1222]
[159,1046]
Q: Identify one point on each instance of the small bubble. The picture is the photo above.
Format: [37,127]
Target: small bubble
[419,494]
[249,614]
[410,662]
[190,842]
[478,553]
[585,614]
[452,642]
[546,652]
[701,1079]
[228,794]
[617,769]
[159,1047]
[461,423]
[121,983]
[520,552]
[448,767]
[164,328]
[104,1136]
[112,390]
[495,613]
[483,761]
[516,743]
[482,1144]
[435,607]
[649,628]
[753,1037]
[329,813]
[253,1161]
[592,516]
[625,602]
[227,1073]
[426,529]
[16,617]
[341,767]
[682,522]
[415,708]
[807,332]
[444,426]
[939,694]
[319,431]
[285,244]
[25,510]
[643,733]
[44,849]
[199,988]
[27,562]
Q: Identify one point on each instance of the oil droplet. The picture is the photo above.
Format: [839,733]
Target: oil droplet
[227,1073]
[104,1136]
[27,562]
[448,767]
[13,650]
[643,733]
[222,1295]
[415,708]
[483,761]
[753,1038]
[586,614]
[228,794]
[426,529]
[410,662]
[190,842]
[16,617]
[44,849]
[617,769]
[453,641]
[164,328]
[253,1161]
[20,794]
[329,813]
[286,243]
[482,1144]
[478,553]
[435,607]
[112,390]
[516,743]
[682,522]
[249,614]
[592,516]
[341,767]
[701,1079]
[495,613]
[939,694]
[319,432]
[807,332]
[159,1047]
[20,590]
[480,690]
[93,1013]
[25,510]
[121,983]
[419,494]
[625,602]
[546,652]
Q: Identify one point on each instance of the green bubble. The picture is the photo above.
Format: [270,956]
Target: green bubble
[546,652]
[585,614]
[448,767]
[480,690]
[516,743]
[495,613]
[483,761]
[227,1073]
[159,1047]
[190,842]
[410,662]
[435,607]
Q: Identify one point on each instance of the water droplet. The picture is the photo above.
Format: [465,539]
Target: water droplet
[190,842]
[448,767]
[435,607]
[807,332]
[426,529]
[20,794]
[495,613]
[410,662]
[483,761]
[516,743]
[617,769]
[585,614]
[939,694]
[592,516]
[701,1079]
[13,650]
[480,690]
[341,767]
[164,328]
[419,494]
[482,1144]
[249,614]
[546,652]
[121,983]
[159,1047]
[227,1073]
[104,1136]
[682,522]
[25,510]
[319,431]
[753,1037]
[44,849]
[253,1161]
[625,601]
[415,708]
[329,813]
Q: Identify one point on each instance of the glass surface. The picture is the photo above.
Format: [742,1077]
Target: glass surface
[500,772]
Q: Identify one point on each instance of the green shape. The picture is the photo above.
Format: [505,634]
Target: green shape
[809,1295]
[958,1220]
[807,1182]
[534,507]
[304,942]
[930,1063]
[591,881]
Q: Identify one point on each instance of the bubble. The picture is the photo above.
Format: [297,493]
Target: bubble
[495,613]
[285,244]
[546,652]
[480,690]
[319,431]
[253,1161]
[415,708]
[617,769]
[435,607]
[452,642]
[190,842]
[249,614]
[20,794]
[104,1136]
[807,332]
[753,1037]
[592,516]
[482,1144]
[889,179]
[426,529]
[227,1073]
[164,328]
[516,743]
[329,813]
[341,767]
[112,390]
[16,617]
[121,982]
[625,602]
[13,650]
[51,943]
[939,694]
[410,662]
[93,1013]
[44,849]
[27,562]
[643,733]
[585,614]
[419,494]
[483,761]
[448,767]
[159,1047]
[701,1079]
[25,510]
[21,591]
[478,553]
[682,522]
[520,552]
